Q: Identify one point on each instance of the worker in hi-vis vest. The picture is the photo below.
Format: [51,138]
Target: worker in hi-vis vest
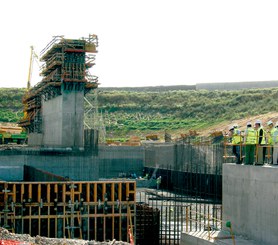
[250,144]
[270,142]
[236,140]
[275,145]
[260,142]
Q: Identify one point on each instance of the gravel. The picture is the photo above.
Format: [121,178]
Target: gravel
[26,239]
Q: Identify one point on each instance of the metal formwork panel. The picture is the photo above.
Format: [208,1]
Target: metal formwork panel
[88,210]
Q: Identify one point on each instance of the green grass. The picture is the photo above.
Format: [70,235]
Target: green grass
[127,112]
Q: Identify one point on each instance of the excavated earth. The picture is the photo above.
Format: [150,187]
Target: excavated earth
[7,237]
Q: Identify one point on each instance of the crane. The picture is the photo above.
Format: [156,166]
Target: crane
[33,57]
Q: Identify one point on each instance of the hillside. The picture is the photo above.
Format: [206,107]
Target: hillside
[11,104]
[156,110]
[179,111]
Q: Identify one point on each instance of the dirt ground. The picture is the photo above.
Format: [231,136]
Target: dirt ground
[9,238]
[241,123]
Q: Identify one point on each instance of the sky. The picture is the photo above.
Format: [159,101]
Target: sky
[147,42]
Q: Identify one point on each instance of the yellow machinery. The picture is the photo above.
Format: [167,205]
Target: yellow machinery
[33,56]
[11,134]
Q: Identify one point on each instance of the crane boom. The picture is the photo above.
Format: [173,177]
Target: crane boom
[33,55]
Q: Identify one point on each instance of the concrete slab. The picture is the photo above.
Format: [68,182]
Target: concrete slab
[217,237]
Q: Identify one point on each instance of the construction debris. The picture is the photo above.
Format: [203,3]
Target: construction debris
[11,238]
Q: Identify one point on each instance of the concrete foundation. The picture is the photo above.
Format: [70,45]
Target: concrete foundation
[217,237]
[250,195]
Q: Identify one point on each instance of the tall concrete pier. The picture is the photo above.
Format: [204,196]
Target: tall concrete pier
[54,108]
[62,120]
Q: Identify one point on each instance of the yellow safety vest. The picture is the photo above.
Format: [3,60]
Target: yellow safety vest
[250,137]
[237,138]
[258,135]
[270,136]
[275,136]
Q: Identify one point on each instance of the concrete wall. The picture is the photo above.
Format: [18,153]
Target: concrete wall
[52,121]
[250,195]
[184,157]
[35,174]
[75,166]
[10,173]
[63,120]
[35,139]
[115,160]
[73,117]
[80,165]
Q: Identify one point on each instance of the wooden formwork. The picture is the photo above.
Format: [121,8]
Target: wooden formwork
[98,210]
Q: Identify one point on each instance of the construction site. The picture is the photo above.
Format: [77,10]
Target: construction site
[66,183]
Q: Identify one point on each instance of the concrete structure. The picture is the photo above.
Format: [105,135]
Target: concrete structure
[182,157]
[62,120]
[250,196]
[218,237]
[54,107]
[110,162]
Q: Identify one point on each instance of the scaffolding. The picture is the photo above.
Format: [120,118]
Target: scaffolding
[93,119]
[66,68]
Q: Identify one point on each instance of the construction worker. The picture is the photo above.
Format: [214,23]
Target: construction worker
[250,144]
[270,132]
[275,145]
[260,143]
[158,182]
[236,140]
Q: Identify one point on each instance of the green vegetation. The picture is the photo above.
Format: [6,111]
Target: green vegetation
[144,111]
[180,110]
[11,104]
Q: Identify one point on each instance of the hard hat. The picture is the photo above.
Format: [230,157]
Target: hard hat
[249,124]
[258,122]
[231,128]
[235,125]
[269,122]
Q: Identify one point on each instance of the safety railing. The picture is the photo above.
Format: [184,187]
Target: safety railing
[265,149]
[209,224]
[55,40]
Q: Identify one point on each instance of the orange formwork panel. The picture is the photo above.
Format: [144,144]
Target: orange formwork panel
[98,210]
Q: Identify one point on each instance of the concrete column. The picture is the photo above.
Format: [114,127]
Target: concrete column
[63,120]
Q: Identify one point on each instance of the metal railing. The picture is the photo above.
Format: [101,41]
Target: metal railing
[207,223]
[266,148]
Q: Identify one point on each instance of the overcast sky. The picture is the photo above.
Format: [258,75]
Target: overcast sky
[148,42]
